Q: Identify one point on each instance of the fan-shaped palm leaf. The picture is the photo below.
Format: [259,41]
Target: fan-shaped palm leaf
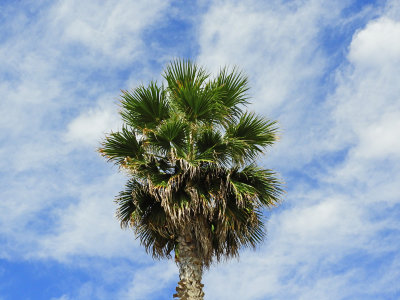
[144,107]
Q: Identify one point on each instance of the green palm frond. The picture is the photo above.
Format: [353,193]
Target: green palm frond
[241,227]
[184,73]
[171,134]
[233,87]
[243,192]
[191,94]
[211,146]
[126,207]
[249,135]
[122,145]
[264,182]
[197,104]
[144,107]
[253,232]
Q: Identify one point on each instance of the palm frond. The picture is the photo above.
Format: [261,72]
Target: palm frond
[171,134]
[144,107]
[210,146]
[249,135]
[138,209]
[184,73]
[264,183]
[159,245]
[190,94]
[196,103]
[126,206]
[122,145]
[233,87]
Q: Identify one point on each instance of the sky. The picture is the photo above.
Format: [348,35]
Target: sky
[327,71]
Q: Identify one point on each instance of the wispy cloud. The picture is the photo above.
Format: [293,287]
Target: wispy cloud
[151,282]
[327,71]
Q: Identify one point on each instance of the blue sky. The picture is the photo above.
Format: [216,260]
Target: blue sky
[326,70]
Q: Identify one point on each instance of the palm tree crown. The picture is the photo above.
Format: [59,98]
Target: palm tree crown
[189,147]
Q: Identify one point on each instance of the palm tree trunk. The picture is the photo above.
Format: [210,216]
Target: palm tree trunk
[190,272]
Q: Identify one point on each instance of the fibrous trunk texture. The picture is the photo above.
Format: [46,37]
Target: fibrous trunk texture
[190,272]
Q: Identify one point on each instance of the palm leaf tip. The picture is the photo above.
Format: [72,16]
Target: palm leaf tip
[181,73]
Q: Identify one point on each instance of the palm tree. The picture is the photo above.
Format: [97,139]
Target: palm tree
[189,148]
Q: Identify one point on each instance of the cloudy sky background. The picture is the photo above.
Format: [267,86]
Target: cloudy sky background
[328,71]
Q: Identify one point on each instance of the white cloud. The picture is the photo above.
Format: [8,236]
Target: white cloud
[63,297]
[110,31]
[150,282]
[376,46]
[381,138]
[88,227]
[366,103]
[275,42]
[90,127]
